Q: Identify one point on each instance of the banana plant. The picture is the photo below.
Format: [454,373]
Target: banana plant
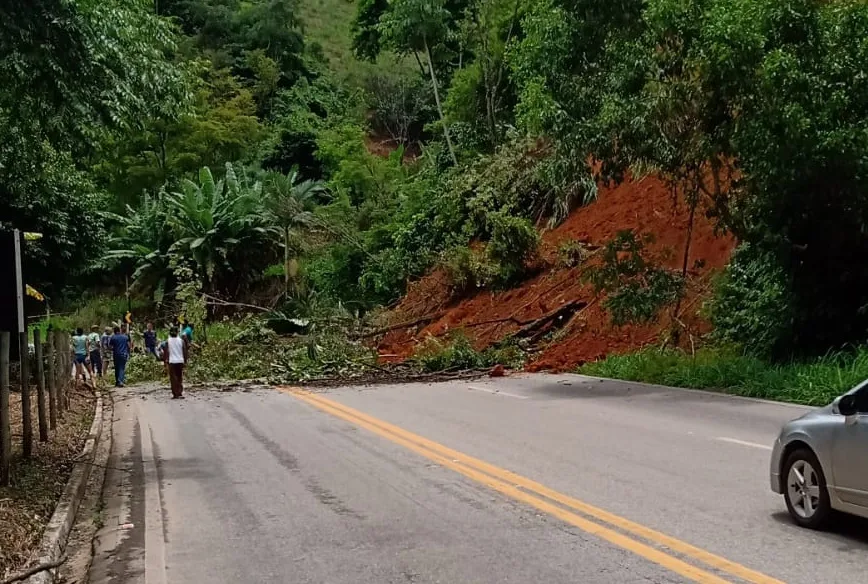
[141,243]
[214,221]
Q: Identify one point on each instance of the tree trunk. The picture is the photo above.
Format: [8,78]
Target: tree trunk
[693,201]
[286,262]
[437,100]
[40,387]
[490,96]
[51,379]
[419,62]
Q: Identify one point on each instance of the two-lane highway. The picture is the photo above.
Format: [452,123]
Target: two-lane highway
[525,479]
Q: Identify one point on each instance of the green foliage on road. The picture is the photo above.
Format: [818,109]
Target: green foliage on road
[814,382]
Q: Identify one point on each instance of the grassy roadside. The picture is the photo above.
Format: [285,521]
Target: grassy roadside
[816,382]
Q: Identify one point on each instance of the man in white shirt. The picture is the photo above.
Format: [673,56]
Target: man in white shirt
[175,357]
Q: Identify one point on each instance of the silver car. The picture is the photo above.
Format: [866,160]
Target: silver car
[820,461]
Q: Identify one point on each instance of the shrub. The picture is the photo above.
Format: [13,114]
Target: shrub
[572,253]
[636,289]
[457,353]
[751,306]
[514,242]
[467,270]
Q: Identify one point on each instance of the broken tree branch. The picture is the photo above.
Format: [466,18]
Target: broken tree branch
[400,325]
[219,302]
[34,570]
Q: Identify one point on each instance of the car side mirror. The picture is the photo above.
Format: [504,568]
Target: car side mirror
[847,405]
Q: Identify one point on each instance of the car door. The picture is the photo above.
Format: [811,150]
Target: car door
[850,456]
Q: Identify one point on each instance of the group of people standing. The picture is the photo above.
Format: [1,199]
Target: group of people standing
[94,353]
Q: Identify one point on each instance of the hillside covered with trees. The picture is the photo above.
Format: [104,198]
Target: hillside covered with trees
[316,159]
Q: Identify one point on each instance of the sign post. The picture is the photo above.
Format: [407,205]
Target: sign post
[19,282]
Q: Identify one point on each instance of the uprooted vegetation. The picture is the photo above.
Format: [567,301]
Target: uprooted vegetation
[607,280]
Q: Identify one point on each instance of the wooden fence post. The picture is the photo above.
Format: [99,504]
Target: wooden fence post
[58,371]
[51,379]
[64,370]
[68,370]
[26,417]
[40,386]
[5,426]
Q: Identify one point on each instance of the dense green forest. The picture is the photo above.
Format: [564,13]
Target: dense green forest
[243,150]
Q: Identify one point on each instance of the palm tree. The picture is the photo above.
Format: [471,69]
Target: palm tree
[291,203]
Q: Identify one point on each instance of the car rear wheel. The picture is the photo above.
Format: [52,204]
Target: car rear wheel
[805,489]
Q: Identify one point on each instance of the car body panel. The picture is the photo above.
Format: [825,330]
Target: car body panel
[850,463]
[840,444]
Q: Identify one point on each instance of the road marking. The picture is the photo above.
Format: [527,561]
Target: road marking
[155,545]
[523,489]
[743,443]
[497,392]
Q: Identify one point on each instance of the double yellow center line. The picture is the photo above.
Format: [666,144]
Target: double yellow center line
[638,539]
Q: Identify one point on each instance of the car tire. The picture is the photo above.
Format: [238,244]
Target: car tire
[815,514]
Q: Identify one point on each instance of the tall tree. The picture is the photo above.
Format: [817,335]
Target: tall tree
[73,72]
[415,26]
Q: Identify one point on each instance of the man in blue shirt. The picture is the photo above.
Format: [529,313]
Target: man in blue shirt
[121,345]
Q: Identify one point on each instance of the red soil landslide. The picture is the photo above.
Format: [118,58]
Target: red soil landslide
[645,206]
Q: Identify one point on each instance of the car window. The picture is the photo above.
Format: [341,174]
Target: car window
[862,400]
[860,387]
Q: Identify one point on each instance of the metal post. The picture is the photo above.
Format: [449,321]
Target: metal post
[51,379]
[40,386]
[19,282]
[5,426]
[26,416]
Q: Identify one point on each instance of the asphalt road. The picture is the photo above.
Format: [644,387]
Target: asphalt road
[554,479]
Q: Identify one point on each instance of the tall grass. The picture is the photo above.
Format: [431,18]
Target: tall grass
[815,382]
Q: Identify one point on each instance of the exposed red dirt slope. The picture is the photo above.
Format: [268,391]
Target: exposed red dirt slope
[645,206]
